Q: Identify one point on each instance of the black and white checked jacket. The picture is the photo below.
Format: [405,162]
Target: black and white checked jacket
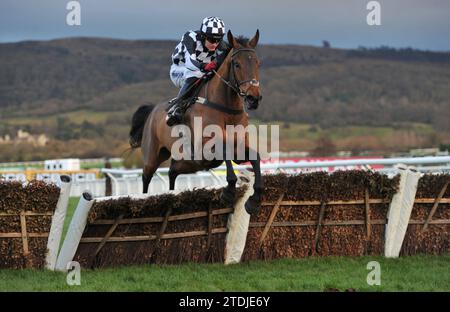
[191,53]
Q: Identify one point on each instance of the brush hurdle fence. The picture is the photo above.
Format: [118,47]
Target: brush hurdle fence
[377,224]
[26,208]
[310,214]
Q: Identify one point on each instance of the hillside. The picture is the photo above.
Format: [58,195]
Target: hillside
[312,84]
[43,81]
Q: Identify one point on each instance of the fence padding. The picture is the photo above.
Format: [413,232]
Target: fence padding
[25,218]
[136,231]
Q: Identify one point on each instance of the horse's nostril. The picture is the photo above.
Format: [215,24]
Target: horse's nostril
[251,99]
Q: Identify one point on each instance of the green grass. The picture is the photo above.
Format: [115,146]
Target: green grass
[306,131]
[347,137]
[76,117]
[295,130]
[417,273]
[73,202]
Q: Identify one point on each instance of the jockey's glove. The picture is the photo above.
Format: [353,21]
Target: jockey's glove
[210,66]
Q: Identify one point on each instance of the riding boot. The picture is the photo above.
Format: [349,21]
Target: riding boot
[176,111]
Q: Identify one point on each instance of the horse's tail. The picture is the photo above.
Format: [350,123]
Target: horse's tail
[138,123]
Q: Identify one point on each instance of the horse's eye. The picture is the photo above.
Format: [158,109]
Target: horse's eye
[237,65]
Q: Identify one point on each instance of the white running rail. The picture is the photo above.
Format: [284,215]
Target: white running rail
[444,161]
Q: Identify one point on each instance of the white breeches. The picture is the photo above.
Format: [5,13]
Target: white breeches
[179,74]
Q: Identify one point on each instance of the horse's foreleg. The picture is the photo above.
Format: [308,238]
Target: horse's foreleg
[178,167]
[229,192]
[253,204]
[173,174]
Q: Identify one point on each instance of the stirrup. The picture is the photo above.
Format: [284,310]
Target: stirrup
[173,118]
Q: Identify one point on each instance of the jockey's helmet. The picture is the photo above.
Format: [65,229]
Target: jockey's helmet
[213,28]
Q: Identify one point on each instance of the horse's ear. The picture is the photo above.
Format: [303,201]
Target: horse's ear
[254,41]
[231,40]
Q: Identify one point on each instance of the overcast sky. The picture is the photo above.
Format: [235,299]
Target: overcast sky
[405,23]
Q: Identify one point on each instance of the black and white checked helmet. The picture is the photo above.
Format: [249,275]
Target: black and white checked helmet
[213,27]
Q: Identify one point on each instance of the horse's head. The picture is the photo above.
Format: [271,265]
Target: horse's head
[245,69]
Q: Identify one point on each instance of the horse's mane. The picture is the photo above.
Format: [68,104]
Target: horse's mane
[243,41]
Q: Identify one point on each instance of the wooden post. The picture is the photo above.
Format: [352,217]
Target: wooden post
[367,200]
[275,209]
[23,227]
[161,232]
[435,205]
[108,185]
[163,226]
[108,235]
[210,224]
[319,225]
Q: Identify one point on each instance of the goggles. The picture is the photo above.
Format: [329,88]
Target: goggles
[214,39]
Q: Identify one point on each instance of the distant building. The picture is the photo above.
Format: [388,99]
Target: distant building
[6,139]
[23,135]
[35,140]
[42,140]
[62,164]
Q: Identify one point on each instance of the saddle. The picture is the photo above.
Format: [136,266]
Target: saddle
[191,96]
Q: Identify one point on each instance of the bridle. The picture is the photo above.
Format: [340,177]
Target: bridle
[236,86]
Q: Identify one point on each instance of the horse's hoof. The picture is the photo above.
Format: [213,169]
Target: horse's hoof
[252,206]
[228,197]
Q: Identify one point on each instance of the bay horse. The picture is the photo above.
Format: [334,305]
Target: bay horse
[236,81]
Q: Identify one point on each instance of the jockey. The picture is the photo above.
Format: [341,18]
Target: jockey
[197,54]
